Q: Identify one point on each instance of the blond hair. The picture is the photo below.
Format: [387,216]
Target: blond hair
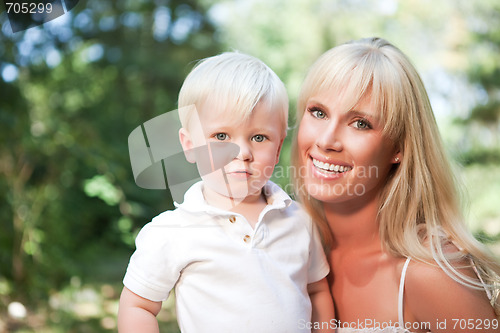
[419,210]
[232,82]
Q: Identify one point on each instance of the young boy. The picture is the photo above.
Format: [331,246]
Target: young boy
[241,255]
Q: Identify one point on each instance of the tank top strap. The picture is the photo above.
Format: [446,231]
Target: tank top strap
[401,292]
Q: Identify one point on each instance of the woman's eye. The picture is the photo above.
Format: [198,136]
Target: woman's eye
[361,124]
[317,113]
[221,136]
[259,138]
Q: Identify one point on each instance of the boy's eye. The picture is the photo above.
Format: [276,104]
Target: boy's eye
[221,136]
[259,138]
[361,124]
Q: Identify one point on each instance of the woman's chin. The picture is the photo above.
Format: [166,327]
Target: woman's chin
[331,193]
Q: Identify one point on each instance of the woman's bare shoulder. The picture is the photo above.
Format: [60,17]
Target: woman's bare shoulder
[431,295]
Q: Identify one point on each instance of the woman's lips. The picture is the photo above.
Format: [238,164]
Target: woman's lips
[330,167]
[328,170]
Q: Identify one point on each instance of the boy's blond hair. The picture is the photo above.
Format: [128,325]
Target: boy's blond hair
[232,83]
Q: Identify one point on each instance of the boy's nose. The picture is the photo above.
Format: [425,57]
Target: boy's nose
[245,153]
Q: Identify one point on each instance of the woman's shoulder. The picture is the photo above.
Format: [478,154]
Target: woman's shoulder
[432,295]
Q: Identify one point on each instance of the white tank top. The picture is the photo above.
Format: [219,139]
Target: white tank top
[399,327]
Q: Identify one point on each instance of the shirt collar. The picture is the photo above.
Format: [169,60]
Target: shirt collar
[194,202]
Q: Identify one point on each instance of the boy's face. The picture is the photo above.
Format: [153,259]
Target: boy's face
[259,139]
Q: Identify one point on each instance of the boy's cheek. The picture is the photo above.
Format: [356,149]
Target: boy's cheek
[214,156]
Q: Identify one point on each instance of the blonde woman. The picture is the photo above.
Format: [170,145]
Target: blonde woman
[374,175]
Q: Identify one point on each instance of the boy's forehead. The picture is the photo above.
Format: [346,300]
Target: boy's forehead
[232,114]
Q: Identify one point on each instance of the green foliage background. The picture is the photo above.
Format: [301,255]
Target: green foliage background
[73,89]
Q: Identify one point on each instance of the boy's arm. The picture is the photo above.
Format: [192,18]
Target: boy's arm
[137,314]
[323,310]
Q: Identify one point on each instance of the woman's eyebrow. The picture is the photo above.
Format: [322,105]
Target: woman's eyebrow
[313,102]
[363,114]
[351,112]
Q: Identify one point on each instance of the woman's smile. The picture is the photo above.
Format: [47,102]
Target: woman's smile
[329,170]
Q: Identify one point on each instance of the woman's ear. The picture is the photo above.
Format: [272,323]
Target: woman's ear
[187,145]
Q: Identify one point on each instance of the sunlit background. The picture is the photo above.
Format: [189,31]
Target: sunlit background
[73,89]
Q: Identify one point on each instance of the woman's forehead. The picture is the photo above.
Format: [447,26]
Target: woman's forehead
[345,98]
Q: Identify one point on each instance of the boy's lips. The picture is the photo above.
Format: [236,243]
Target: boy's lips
[239,173]
[237,169]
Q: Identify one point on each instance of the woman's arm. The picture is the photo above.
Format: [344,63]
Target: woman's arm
[137,314]
[323,310]
[436,299]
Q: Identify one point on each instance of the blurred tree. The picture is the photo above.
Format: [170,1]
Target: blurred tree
[482,123]
[71,91]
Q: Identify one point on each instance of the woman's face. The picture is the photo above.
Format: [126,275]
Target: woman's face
[343,154]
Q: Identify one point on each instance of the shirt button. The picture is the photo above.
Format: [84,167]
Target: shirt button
[232,219]
[246,239]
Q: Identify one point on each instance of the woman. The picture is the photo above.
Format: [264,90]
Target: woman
[375,177]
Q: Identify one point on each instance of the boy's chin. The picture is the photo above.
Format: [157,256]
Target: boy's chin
[234,193]
[230,194]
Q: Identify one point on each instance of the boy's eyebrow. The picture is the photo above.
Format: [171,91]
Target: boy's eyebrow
[214,127]
[267,129]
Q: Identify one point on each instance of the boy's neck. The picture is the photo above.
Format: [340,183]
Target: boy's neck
[250,207]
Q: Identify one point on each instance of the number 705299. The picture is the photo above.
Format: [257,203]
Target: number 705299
[475,324]
[28,8]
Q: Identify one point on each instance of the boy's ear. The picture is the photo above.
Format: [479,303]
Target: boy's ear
[187,145]
[279,151]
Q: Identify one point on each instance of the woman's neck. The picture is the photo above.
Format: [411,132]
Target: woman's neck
[354,223]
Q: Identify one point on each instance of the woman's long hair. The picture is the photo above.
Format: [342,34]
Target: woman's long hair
[419,211]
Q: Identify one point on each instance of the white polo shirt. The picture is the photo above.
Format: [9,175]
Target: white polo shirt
[227,276]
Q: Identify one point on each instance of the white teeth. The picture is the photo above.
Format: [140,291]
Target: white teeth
[331,167]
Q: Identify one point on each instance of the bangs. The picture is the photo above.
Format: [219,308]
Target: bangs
[354,72]
[239,108]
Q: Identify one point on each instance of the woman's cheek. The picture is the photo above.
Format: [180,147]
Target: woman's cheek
[305,134]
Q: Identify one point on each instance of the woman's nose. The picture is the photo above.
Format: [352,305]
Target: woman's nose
[329,139]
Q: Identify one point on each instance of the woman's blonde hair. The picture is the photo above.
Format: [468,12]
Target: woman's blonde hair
[419,212]
[233,84]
